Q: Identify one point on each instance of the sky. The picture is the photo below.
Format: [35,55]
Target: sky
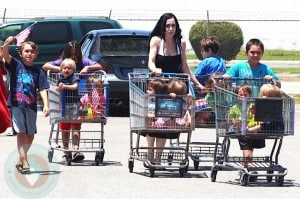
[167,5]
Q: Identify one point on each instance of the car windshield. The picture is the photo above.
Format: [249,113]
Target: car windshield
[121,46]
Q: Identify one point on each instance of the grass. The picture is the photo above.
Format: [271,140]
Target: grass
[285,55]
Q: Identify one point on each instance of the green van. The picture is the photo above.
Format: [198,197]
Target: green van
[51,34]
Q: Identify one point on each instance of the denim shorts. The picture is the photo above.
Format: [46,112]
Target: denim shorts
[23,120]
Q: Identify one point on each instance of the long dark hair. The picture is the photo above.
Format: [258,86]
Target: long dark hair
[160,28]
[67,53]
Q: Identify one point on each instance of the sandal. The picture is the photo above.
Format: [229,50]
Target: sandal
[19,167]
[77,157]
[25,169]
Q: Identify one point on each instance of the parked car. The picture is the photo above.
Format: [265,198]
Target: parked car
[51,34]
[121,51]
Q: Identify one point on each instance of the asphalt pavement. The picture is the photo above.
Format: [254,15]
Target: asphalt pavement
[112,179]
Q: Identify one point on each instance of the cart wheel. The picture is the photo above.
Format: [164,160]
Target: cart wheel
[279,180]
[170,159]
[99,158]
[186,168]
[152,170]
[69,159]
[181,172]
[196,164]
[130,165]
[213,174]
[269,178]
[244,179]
[50,155]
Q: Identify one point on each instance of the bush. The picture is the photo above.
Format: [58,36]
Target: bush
[229,34]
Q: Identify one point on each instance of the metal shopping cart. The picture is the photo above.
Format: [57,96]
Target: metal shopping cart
[87,106]
[204,149]
[274,118]
[167,109]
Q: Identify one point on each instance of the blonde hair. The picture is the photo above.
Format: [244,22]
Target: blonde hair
[270,90]
[178,87]
[70,62]
[94,82]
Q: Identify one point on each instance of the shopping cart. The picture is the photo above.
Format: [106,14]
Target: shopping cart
[166,109]
[87,106]
[204,149]
[275,119]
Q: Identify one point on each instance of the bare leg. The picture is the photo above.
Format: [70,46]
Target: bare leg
[24,142]
[247,154]
[150,142]
[160,144]
[65,135]
[76,139]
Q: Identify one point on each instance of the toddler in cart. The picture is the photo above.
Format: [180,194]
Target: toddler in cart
[67,85]
[205,112]
[154,87]
[246,144]
[93,102]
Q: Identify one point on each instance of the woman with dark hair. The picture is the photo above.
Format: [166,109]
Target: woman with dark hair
[167,49]
[73,50]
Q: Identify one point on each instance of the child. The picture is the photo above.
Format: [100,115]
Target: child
[211,62]
[67,84]
[235,115]
[277,126]
[155,87]
[93,103]
[206,115]
[24,81]
[179,87]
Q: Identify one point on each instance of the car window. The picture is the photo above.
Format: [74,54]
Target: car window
[121,46]
[9,30]
[87,26]
[51,33]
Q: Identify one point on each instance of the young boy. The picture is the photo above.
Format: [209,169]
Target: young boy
[67,84]
[24,81]
[211,62]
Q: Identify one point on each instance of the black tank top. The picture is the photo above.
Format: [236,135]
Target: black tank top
[168,64]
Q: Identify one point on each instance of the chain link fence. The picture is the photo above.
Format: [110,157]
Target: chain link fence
[277,30]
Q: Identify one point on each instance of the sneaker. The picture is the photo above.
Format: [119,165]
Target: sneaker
[77,157]
[9,132]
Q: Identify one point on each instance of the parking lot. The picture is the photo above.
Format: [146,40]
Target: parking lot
[112,178]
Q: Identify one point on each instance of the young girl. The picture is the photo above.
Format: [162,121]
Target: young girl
[179,87]
[24,81]
[93,103]
[155,87]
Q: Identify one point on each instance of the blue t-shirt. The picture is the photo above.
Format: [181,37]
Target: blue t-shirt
[24,82]
[208,66]
[243,70]
[67,95]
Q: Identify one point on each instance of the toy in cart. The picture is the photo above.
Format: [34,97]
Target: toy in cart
[253,120]
[160,109]
[83,108]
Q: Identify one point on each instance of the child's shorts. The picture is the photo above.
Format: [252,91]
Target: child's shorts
[64,126]
[249,144]
[23,120]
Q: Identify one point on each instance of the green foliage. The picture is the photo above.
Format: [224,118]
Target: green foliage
[229,34]
[274,54]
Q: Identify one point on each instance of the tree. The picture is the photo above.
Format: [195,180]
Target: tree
[229,34]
